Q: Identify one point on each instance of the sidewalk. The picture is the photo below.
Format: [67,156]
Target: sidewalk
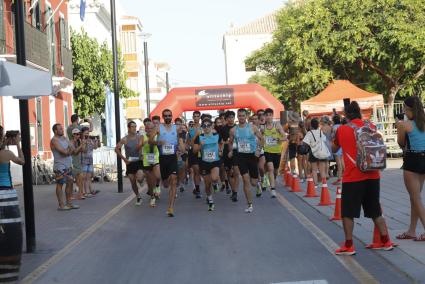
[396,207]
[55,229]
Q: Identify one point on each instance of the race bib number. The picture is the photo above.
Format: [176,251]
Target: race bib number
[150,157]
[244,147]
[168,149]
[210,156]
[133,159]
[270,141]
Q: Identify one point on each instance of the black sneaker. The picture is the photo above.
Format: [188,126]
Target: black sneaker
[228,190]
[211,206]
[198,194]
[234,196]
[216,187]
[181,188]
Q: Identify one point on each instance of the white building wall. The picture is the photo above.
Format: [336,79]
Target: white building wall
[236,50]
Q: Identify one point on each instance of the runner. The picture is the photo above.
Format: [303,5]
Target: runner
[273,136]
[208,145]
[193,158]
[181,156]
[247,154]
[132,143]
[166,137]
[262,182]
[151,163]
[218,127]
[232,170]
[156,120]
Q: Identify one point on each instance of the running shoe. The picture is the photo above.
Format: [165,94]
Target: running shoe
[170,212]
[343,250]
[181,188]
[265,182]
[273,193]
[138,201]
[228,190]
[387,246]
[211,206]
[152,203]
[249,209]
[64,208]
[198,194]
[234,196]
[73,206]
[259,190]
[216,187]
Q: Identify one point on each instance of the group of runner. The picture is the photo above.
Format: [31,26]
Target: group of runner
[218,152]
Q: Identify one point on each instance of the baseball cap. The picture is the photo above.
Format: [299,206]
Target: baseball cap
[75,131]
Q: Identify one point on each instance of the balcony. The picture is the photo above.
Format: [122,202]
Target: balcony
[35,44]
[66,68]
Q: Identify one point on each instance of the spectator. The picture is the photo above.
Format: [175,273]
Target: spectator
[75,123]
[411,137]
[62,166]
[338,154]
[90,144]
[326,127]
[359,189]
[76,161]
[310,139]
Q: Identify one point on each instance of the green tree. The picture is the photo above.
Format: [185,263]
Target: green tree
[92,68]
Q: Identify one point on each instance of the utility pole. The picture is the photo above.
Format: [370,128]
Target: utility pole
[167,82]
[25,131]
[148,99]
[116,92]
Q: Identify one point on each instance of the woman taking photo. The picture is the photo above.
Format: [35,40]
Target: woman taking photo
[411,138]
[87,161]
[10,217]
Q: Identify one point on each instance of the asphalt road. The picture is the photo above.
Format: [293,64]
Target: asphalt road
[270,245]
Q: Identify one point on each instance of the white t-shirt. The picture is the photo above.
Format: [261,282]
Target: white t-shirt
[308,139]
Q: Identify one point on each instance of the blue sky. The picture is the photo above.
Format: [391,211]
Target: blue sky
[188,33]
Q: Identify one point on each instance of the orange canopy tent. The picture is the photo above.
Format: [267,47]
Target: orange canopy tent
[332,98]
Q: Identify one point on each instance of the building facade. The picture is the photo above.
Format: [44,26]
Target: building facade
[240,42]
[47,48]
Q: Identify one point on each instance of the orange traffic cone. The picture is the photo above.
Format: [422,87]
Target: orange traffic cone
[286,178]
[290,178]
[377,238]
[337,211]
[311,191]
[295,184]
[325,197]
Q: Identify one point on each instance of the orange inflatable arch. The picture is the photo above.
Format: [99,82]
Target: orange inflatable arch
[252,96]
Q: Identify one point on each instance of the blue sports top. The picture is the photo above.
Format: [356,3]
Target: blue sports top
[5,177]
[245,139]
[170,138]
[416,138]
[209,151]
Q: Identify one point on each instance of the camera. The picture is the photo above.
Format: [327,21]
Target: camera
[11,133]
[400,116]
[92,137]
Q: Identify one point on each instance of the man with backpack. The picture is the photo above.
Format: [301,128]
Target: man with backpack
[359,141]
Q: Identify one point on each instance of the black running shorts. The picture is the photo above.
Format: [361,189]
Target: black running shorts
[292,149]
[273,158]
[134,167]
[229,162]
[206,167]
[356,195]
[168,166]
[193,158]
[247,163]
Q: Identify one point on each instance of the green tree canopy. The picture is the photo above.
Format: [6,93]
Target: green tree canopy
[93,67]
[379,44]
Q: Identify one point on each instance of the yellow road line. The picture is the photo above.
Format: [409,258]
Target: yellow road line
[35,274]
[356,270]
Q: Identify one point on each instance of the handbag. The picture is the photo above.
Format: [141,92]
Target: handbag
[319,148]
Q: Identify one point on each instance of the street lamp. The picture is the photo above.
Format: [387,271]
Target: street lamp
[145,36]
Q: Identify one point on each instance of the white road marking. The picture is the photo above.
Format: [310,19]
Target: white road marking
[356,270]
[304,282]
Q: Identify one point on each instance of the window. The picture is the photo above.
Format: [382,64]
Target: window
[39,124]
[36,14]
[51,37]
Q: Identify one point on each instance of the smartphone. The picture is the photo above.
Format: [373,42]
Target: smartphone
[347,102]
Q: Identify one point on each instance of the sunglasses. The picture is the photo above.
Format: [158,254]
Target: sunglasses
[206,125]
[76,134]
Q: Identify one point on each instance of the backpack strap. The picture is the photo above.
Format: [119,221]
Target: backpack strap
[313,136]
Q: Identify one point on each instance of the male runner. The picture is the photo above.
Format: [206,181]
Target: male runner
[181,156]
[273,136]
[194,158]
[166,137]
[151,163]
[261,185]
[230,166]
[246,136]
[132,143]
[208,144]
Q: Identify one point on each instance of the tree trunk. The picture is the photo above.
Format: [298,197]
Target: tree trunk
[294,105]
[391,97]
